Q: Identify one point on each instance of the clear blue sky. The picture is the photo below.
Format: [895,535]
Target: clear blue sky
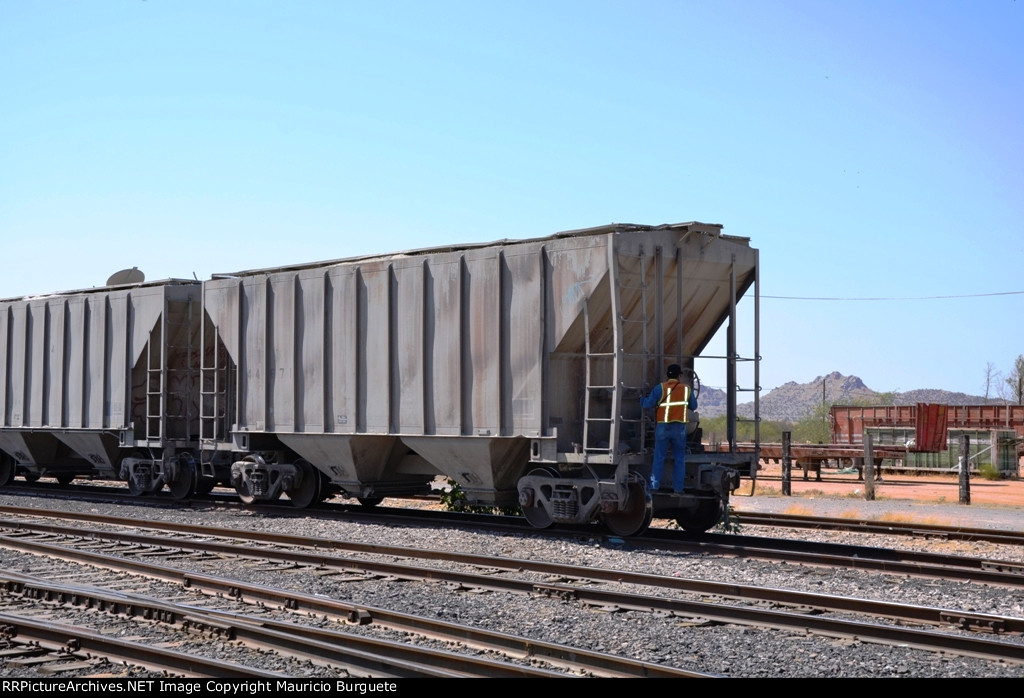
[869,149]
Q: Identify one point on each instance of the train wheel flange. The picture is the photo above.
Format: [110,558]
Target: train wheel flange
[308,490]
[7,470]
[135,490]
[636,517]
[183,485]
[535,513]
[244,493]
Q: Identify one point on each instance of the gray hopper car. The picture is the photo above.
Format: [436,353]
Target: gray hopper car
[102,383]
[512,369]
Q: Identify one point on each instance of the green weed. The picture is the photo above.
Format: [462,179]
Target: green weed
[453,498]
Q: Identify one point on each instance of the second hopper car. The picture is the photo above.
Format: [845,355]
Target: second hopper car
[510,368]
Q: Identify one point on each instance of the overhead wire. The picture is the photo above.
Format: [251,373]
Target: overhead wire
[894,298]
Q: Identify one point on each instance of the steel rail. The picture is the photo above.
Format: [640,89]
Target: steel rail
[910,563]
[337,510]
[905,528]
[355,653]
[972,646]
[570,657]
[862,557]
[74,641]
[294,554]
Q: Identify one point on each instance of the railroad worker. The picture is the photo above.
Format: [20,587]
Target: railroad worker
[674,400]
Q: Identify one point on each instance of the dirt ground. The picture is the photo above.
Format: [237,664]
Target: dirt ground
[926,497]
[925,487]
[930,487]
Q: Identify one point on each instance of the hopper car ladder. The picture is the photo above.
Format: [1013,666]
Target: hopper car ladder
[169,376]
[605,416]
[593,392]
[213,394]
[156,379]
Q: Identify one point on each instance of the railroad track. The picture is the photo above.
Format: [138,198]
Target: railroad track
[574,586]
[897,528]
[63,648]
[101,492]
[867,557]
[137,556]
[334,653]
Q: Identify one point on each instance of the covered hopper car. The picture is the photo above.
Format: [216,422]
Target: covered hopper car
[513,369]
[102,383]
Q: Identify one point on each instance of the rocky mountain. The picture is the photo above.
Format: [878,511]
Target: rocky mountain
[792,402]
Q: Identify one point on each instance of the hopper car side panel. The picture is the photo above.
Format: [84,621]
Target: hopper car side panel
[450,344]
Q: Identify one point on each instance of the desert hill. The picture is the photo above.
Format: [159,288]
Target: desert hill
[792,402]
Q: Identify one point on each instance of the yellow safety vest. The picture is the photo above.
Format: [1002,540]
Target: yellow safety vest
[674,408]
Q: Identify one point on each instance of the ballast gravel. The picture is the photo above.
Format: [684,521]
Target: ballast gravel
[689,643]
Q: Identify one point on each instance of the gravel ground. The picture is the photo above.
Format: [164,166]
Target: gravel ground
[690,643]
[977,515]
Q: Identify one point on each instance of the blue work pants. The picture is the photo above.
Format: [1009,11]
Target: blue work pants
[666,433]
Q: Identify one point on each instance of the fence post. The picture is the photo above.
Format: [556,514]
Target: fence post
[787,464]
[965,469]
[869,469]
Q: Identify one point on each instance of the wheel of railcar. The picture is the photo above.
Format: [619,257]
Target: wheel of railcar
[537,515]
[134,489]
[636,517]
[183,485]
[242,488]
[7,469]
[244,494]
[369,501]
[649,518]
[308,490]
[707,514]
[64,478]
